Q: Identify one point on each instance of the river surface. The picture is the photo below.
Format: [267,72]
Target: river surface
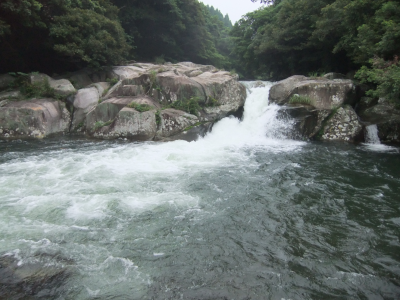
[243,213]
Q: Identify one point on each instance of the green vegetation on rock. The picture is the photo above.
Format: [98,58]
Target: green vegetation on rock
[140,107]
[100,124]
[190,105]
[299,99]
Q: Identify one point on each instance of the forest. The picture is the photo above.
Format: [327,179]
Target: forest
[57,35]
[359,38]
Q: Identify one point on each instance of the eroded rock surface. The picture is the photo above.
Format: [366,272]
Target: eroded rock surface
[61,87]
[36,118]
[321,93]
[103,110]
[218,94]
[343,125]
[387,118]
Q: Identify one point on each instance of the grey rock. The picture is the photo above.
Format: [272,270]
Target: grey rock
[322,93]
[259,84]
[109,112]
[102,87]
[387,118]
[5,81]
[80,79]
[61,86]
[175,121]
[85,100]
[281,91]
[10,95]
[36,118]
[334,129]
[333,75]
[136,125]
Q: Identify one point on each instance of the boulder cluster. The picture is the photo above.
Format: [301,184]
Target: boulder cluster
[332,108]
[140,101]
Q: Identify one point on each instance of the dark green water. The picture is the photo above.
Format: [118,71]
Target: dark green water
[277,219]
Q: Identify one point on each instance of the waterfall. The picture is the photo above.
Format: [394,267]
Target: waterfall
[371,135]
[260,124]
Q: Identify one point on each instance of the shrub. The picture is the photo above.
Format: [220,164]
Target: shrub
[298,99]
[140,107]
[112,81]
[158,117]
[100,124]
[384,76]
[212,102]
[190,105]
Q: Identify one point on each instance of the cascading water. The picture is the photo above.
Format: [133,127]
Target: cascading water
[371,134]
[243,213]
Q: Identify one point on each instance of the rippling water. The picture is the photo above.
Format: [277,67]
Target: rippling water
[242,214]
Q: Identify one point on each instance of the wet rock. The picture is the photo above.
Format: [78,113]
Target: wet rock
[37,118]
[28,280]
[387,118]
[343,125]
[307,120]
[229,94]
[259,84]
[389,131]
[175,121]
[193,133]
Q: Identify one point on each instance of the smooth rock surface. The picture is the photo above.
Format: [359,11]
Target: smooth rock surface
[61,87]
[85,100]
[36,118]
[322,93]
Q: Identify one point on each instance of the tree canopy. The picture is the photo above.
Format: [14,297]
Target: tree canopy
[289,37]
[56,35]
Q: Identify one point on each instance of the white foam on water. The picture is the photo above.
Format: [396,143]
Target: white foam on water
[68,194]
[372,141]
[83,181]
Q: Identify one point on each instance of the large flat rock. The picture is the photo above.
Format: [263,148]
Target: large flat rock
[321,93]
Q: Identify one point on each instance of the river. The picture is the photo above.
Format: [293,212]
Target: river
[243,213]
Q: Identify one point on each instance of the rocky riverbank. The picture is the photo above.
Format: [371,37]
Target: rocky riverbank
[138,101]
[333,108]
[143,101]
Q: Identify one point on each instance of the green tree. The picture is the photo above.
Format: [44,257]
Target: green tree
[41,34]
[276,41]
[171,29]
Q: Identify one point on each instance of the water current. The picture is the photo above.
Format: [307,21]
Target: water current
[243,213]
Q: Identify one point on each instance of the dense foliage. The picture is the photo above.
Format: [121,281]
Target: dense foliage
[289,37]
[57,35]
